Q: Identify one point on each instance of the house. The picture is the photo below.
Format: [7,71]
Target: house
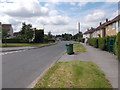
[113,26]
[9,27]
[89,33]
[100,30]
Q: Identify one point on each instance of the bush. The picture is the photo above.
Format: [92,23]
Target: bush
[101,43]
[117,46]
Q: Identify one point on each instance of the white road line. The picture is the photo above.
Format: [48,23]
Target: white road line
[11,52]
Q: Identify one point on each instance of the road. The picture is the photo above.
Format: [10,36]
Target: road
[20,69]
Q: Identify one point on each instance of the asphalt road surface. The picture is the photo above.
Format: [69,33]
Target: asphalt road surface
[20,69]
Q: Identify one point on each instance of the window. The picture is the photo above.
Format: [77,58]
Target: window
[113,26]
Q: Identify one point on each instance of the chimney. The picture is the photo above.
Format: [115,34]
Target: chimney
[106,20]
[100,23]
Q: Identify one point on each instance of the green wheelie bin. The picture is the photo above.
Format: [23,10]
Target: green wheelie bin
[69,49]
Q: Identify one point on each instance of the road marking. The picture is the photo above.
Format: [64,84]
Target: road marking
[11,52]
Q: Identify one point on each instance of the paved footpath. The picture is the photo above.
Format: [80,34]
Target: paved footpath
[105,60]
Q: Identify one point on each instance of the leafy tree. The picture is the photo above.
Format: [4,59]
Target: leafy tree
[67,37]
[49,35]
[27,32]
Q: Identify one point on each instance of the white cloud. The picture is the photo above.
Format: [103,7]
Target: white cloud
[97,15]
[23,8]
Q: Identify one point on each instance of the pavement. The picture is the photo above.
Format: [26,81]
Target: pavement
[105,60]
[22,69]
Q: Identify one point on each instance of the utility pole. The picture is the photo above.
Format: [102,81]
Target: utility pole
[78,27]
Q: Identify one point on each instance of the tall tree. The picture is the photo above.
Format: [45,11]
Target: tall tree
[27,32]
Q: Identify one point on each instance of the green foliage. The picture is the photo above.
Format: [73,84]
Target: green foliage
[106,43]
[93,42]
[5,33]
[117,46]
[67,37]
[118,36]
[26,32]
[101,43]
[77,37]
[39,36]
[13,40]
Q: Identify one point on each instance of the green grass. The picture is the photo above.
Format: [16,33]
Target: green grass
[74,74]
[26,44]
[77,47]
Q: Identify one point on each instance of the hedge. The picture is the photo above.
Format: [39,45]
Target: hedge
[101,43]
[13,40]
[93,42]
[117,46]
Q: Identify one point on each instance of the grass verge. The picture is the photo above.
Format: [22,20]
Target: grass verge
[74,74]
[26,44]
[77,47]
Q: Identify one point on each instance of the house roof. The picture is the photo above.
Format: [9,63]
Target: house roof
[90,31]
[8,26]
[113,20]
[102,26]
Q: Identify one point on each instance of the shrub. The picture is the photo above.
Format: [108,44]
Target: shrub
[101,43]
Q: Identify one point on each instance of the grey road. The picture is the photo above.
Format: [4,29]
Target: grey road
[20,69]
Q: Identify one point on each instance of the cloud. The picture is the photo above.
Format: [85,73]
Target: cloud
[23,8]
[97,15]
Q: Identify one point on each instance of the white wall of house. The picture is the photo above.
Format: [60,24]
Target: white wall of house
[11,32]
[86,35]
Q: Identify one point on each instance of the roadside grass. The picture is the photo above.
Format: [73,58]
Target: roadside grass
[77,47]
[26,44]
[74,74]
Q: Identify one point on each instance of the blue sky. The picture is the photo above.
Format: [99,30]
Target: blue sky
[57,17]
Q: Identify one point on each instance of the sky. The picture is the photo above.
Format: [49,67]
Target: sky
[57,17]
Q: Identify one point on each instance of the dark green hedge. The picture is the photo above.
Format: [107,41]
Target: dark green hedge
[104,43]
[14,40]
[93,42]
[101,43]
[117,46]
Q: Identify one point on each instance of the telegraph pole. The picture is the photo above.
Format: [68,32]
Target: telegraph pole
[78,27]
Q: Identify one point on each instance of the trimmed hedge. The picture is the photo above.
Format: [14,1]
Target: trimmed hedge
[93,42]
[13,40]
[106,43]
[118,36]
[101,43]
[117,46]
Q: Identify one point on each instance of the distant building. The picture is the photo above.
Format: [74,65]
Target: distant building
[10,29]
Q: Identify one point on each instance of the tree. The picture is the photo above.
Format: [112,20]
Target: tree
[66,37]
[27,32]
[49,35]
